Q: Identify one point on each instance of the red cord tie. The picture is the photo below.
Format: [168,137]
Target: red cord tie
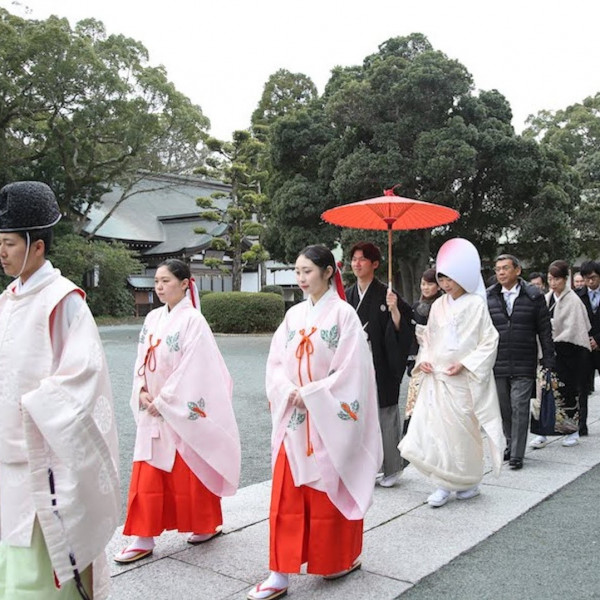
[305,347]
[150,358]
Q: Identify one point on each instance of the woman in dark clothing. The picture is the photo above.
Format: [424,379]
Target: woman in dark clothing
[430,292]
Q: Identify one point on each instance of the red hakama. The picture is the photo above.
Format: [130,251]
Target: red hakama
[160,500]
[306,527]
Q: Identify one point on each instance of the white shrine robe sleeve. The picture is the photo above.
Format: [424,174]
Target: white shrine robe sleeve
[351,451]
[71,413]
[342,408]
[138,380]
[278,383]
[196,401]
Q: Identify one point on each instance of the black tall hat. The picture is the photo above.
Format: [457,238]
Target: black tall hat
[27,205]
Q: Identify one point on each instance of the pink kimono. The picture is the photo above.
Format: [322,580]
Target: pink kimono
[335,445]
[185,374]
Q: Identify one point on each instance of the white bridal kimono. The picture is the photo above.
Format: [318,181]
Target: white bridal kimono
[321,350]
[57,418]
[444,439]
[192,389]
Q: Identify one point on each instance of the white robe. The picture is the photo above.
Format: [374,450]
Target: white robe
[334,373]
[56,405]
[444,439]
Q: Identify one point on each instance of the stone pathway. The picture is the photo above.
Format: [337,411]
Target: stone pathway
[405,539]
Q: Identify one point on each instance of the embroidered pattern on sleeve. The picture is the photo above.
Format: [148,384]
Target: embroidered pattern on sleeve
[143,334]
[173,342]
[296,420]
[290,337]
[349,411]
[196,410]
[331,337]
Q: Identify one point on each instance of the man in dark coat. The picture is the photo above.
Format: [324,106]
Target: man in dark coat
[520,315]
[387,320]
[590,296]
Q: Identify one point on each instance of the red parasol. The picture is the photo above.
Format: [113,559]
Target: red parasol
[390,212]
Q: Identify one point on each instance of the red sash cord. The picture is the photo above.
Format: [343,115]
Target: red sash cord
[305,347]
[150,358]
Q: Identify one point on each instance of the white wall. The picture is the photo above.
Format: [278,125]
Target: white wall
[284,277]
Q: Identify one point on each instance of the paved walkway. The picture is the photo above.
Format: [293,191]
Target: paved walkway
[405,539]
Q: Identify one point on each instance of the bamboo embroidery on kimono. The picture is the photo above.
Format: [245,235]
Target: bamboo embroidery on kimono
[349,411]
[331,337]
[296,420]
[143,334]
[196,409]
[173,342]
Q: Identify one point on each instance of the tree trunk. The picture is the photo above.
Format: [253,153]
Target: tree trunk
[236,269]
[263,273]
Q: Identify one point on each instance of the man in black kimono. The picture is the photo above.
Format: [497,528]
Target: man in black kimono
[387,320]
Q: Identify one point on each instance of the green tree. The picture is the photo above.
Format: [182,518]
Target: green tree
[299,183]
[546,224]
[101,269]
[408,117]
[237,163]
[83,111]
[574,133]
[283,92]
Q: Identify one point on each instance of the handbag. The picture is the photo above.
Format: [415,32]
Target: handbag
[548,406]
[543,418]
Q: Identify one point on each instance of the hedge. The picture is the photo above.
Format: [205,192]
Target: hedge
[243,312]
[272,289]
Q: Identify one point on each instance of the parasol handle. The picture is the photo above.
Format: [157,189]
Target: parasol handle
[389,256]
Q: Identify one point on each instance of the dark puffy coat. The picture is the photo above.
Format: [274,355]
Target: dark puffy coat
[530,320]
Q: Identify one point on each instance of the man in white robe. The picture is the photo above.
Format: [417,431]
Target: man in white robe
[59,488]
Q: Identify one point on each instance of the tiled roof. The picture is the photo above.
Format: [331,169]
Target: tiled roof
[160,210]
[139,282]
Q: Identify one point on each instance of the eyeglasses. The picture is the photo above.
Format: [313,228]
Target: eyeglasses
[503,268]
[591,277]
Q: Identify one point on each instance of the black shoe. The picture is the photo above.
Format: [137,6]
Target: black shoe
[583,431]
[515,463]
[506,455]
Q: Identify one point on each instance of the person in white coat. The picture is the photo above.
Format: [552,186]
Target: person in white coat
[457,397]
[59,487]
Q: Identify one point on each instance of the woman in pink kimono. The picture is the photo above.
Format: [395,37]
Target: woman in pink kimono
[187,449]
[326,443]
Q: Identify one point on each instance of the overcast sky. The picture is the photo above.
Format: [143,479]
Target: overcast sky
[539,54]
